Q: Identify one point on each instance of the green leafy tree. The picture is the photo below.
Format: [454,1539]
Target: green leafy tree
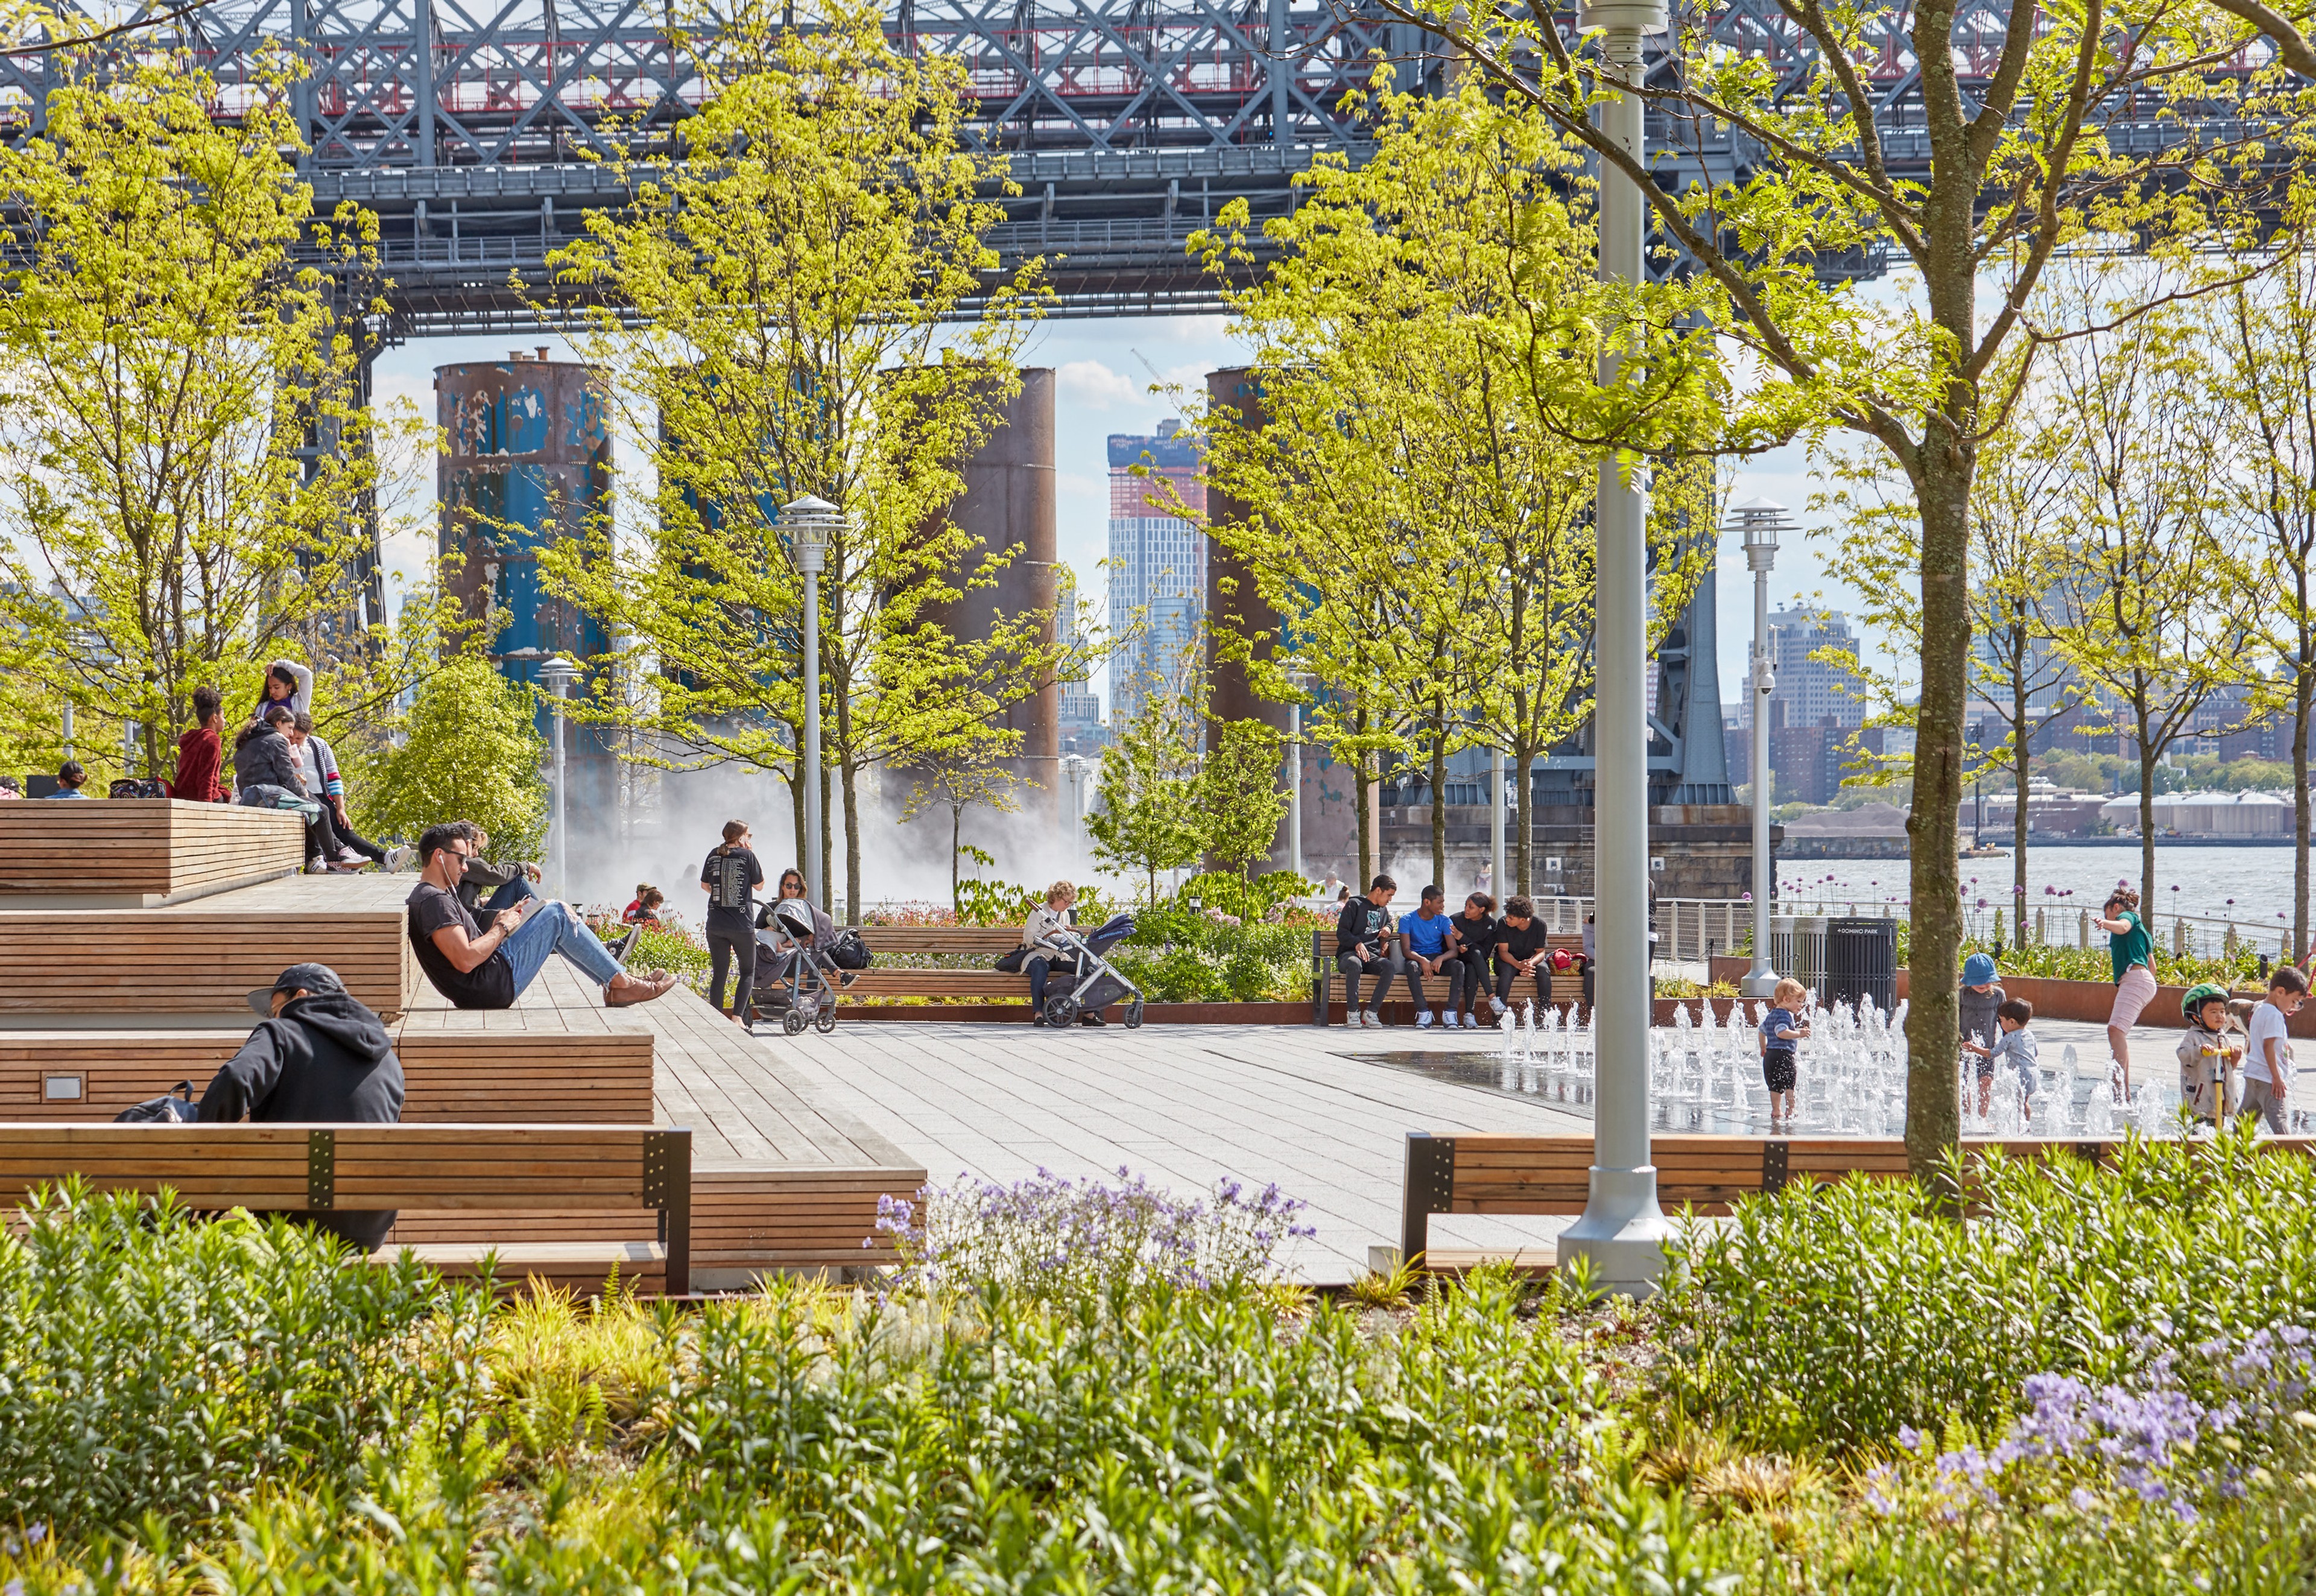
[957,780]
[176,326]
[2010,163]
[2265,389]
[468,750]
[810,310]
[1145,817]
[1241,800]
[1419,492]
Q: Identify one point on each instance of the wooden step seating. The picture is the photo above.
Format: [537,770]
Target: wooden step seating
[193,962]
[139,853]
[479,1169]
[1534,1175]
[531,1075]
[780,1180]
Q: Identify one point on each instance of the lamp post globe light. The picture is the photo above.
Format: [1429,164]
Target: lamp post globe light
[1758,523]
[810,522]
[559,675]
[1622,1231]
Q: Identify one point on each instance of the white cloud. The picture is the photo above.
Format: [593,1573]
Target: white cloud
[1093,386]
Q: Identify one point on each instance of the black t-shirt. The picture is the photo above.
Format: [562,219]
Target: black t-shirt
[737,874]
[490,984]
[1362,923]
[1476,936]
[1516,941]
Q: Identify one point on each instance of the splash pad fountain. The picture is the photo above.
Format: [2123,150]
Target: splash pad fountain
[1704,1077]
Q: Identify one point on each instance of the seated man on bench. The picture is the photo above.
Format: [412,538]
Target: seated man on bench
[476,968]
[318,1057]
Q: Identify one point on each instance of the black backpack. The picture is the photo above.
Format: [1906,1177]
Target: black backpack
[177,1108]
[849,952]
[141,786]
[729,876]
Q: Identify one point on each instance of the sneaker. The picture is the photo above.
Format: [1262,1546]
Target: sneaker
[317,866]
[1372,1018]
[1452,1020]
[1038,1019]
[846,977]
[348,856]
[1090,1018]
[1423,1020]
[398,859]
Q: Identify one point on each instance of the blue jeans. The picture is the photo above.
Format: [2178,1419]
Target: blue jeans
[552,928]
[506,897]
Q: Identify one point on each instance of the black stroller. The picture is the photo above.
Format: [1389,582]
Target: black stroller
[789,982]
[1100,982]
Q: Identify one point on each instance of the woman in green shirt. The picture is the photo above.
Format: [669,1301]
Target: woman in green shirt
[2132,951]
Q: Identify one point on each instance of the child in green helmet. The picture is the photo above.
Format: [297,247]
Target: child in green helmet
[2210,1054]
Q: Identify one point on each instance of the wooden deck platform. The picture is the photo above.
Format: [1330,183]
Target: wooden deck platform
[193,964]
[780,1180]
[139,853]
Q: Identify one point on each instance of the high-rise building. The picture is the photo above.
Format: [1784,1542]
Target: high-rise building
[1813,692]
[1157,560]
[1080,718]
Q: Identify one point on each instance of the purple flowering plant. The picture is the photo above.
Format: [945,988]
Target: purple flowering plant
[1049,1237]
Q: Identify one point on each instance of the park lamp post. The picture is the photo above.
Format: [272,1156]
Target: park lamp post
[1622,1231]
[1757,521]
[809,523]
[1073,771]
[559,673]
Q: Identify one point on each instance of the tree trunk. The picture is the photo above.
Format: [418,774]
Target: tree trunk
[1524,844]
[955,827]
[1933,1098]
[1364,786]
[2019,734]
[852,844]
[1440,802]
[2303,691]
[796,791]
[2146,819]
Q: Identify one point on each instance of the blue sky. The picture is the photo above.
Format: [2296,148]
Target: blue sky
[1105,376]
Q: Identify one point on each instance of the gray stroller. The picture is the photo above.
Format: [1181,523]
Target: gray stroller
[1099,983]
[789,982]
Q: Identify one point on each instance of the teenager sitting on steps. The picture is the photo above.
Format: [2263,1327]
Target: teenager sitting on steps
[478,969]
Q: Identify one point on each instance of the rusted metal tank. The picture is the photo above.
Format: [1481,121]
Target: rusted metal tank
[529,465]
[1008,502]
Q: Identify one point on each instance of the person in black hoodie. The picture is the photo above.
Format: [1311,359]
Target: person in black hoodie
[1365,944]
[318,1058]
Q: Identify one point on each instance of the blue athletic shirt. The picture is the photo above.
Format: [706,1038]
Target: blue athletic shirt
[1774,1022]
[1426,937]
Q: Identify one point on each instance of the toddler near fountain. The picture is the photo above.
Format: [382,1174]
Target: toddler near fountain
[2014,1048]
[1982,998]
[2209,1054]
[1782,1030]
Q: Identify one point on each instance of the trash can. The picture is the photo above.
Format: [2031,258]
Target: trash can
[1797,949]
[1861,963]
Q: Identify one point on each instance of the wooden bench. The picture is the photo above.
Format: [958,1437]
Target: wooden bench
[494,1173]
[139,852]
[967,941]
[196,962]
[1539,1175]
[537,1074]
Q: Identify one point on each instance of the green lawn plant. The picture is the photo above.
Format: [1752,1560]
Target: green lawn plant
[2098,1382]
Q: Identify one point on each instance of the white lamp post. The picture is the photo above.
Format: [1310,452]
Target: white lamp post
[1074,772]
[1622,1230]
[559,673]
[809,524]
[1758,522]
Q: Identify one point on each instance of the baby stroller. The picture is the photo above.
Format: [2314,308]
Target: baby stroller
[789,982]
[1100,982]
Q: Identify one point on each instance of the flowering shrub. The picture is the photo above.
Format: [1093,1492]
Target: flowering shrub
[1051,1238]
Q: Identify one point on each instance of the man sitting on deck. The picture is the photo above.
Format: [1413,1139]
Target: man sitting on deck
[488,969]
[319,1056]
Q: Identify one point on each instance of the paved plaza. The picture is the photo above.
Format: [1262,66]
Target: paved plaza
[1187,1105]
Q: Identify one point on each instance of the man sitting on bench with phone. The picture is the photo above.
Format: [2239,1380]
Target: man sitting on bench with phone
[478,969]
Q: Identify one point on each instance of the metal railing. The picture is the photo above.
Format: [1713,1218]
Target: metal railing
[2199,936]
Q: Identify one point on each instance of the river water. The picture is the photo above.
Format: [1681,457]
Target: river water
[2248,885]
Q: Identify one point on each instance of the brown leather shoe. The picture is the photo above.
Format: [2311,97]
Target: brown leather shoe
[637,990]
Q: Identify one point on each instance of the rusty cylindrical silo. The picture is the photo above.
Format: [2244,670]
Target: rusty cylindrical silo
[1234,605]
[1008,503]
[528,465]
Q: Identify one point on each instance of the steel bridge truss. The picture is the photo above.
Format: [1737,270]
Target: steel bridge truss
[466,125]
